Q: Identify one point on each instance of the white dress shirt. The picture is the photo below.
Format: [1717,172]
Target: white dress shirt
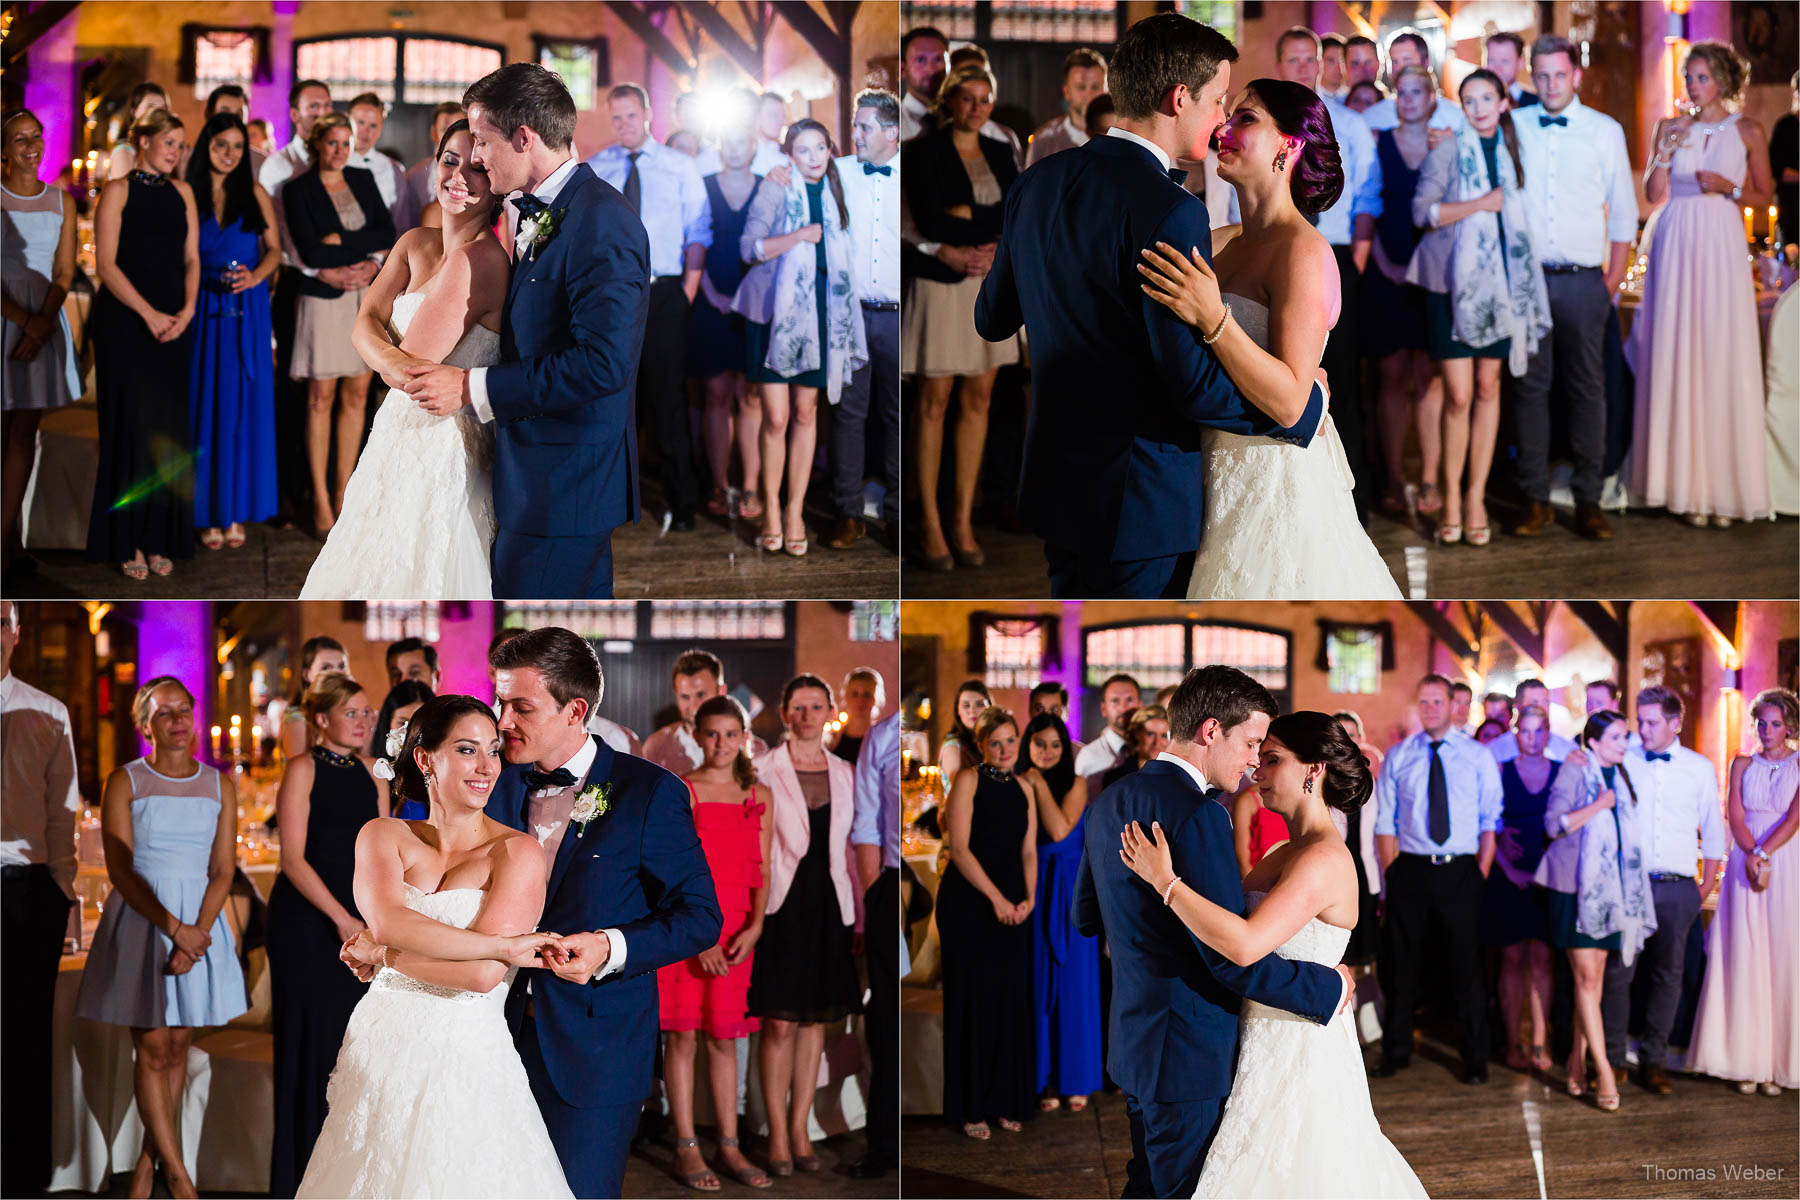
[1505,748]
[874,203]
[1053,138]
[1579,179]
[37,765]
[1162,156]
[390,179]
[547,813]
[672,200]
[1472,787]
[291,160]
[915,117]
[1102,754]
[610,732]
[1384,115]
[547,191]
[1678,810]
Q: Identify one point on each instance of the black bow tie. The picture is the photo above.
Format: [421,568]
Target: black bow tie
[1178,177]
[1655,756]
[1543,121]
[528,206]
[537,781]
[871,169]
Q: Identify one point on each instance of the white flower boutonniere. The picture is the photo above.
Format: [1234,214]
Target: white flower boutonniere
[594,802]
[537,232]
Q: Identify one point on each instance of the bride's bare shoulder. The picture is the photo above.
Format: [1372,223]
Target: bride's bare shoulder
[1304,270]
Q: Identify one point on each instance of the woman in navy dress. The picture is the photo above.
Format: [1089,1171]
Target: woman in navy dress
[1513,914]
[716,334]
[231,399]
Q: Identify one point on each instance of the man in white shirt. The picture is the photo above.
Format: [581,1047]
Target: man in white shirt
[924,61]
[665,189]
[37,884]
[1679,817]
[1408,48]
[1362,62]
[696,677]
[1083,78]
[1504,54]
[1120,696]
[367,118]
[1579,180]
[1462,699]
[871,179]
[419,188]
[1533,693]
[1332,78]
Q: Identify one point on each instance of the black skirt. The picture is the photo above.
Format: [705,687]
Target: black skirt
[804,970]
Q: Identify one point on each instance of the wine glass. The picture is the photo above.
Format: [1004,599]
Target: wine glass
[225,279]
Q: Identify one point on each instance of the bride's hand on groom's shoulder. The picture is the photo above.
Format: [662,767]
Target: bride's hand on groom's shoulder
[1184,284]
[1147,855]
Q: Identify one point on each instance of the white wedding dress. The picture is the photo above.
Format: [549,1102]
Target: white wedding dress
[418,519]
[1280,521]
[429,1097]
[1298,1122]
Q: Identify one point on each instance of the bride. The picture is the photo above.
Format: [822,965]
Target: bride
[429,1097]
[1298,1121]
[1280,521]
[418,515]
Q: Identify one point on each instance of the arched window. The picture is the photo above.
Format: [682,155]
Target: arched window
[400,68]
[1159,653]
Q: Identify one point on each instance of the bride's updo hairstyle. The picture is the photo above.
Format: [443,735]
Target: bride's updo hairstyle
[1317,178]
[1316,737]
[427,731]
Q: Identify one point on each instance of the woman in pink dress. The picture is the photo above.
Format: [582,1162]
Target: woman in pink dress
[1697,442]
[1747,1028]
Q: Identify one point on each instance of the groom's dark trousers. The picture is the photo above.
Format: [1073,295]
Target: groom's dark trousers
[1174,1020]
[1114,471]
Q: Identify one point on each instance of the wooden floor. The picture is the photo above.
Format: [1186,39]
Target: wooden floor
[1461,1140]
[1652,556]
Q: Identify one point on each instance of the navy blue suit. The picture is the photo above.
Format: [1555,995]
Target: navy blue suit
[590,1050]
[1114,476]
[563,397]
[1174,1028]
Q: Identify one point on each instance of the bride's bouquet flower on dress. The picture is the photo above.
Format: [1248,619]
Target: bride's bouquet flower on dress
[536,232]
[593,802]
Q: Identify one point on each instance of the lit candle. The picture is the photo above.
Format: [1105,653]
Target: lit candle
[237,736]
[255,745]
[1749,224]
[1771,224]
[218,745]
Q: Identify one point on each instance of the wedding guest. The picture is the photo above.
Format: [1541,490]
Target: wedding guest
[419,189]
[1698,318]
[1744,1030]
[1362,61]
[715,335]
[1359,835]
[771,123]
[1363,96]
[1398,342]
[959,749]
[664,188]
[1147,735]
[1784,166]
[740,111]
[412,658]
[163,961]
[862,695]
[1603,694]
[1600,900]
[1083,78]
[367,117]
[1065,963]
[1119,698]
[984,906]
[1489,732]
[1053,698]
[709,992]
[803,325]
[1438,804]
[144,99]
[924,61]
[875,841]
[696,677]
[259,141]
[1408,48]
[337,218]
[1485,300]
[1678,797]
[39,804]
[1504,54]
[1498,706]
[969,54]
[1102,115]
[397,709]
[1511,917]
[319,656]
[956,182]
[1578,180]
[1332,79]
[38,254]
[148,255]
[231,384]
[872,195]
[326,798]
[1531,693]
[1462,700]
[804,977]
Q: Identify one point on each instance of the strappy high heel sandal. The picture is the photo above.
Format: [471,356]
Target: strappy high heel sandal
[750,1175]
[696,1180]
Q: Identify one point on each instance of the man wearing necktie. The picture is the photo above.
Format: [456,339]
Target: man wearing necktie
[1437,810]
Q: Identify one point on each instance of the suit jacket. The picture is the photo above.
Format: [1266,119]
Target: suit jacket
[934,180]
[639,869]
[1175,1000]
[312,216]
[563,394]
[1113,468]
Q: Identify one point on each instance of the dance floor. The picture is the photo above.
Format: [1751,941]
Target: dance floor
[648,1171]
[1653,556]
[1515,1137]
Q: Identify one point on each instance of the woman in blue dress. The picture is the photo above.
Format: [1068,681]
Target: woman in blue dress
[716,334]
[232,378]
[1066,965]
[163,961]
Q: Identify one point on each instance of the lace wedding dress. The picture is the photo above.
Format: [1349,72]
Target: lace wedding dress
[1298,1121]
[429,1097]
[1280,521]
[418,517]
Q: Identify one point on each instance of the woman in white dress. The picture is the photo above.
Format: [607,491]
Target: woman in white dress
[1280,521]
[418,514]
[1298,1122]
[429,1097]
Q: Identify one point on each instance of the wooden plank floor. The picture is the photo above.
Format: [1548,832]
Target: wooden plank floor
[1653,556]
[1461,1140]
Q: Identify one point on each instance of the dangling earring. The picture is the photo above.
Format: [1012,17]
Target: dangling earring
[431,780]
[1307,786]
[1281,160]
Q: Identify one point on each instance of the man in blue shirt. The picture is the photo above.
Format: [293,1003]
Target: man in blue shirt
[875,835]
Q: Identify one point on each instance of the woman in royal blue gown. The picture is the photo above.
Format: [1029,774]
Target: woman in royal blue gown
[232,376]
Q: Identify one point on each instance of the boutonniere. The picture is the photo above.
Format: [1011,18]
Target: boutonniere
[536,232]
[595,801]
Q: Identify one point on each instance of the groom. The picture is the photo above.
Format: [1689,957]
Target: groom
[629,890]
[561,399]
[1175,1000]
[1114,478]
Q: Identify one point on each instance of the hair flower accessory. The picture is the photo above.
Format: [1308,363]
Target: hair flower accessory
[396,742]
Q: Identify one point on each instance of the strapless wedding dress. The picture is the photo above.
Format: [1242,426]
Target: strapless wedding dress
[1280,521]
[1298,1122]
[418,519]
[429,1097]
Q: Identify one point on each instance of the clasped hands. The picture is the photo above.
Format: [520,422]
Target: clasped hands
[191,944]
[576,957]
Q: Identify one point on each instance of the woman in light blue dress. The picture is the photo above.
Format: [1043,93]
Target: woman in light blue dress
[163,961]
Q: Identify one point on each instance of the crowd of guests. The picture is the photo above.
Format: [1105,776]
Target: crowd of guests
[1542,876]
[1481,242]
[775,298]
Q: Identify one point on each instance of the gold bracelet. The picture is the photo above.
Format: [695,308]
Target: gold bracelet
[1220,331]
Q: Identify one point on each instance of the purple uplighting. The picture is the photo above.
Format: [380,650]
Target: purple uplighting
[175,637]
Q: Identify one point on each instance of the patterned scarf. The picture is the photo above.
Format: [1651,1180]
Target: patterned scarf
[1494,296]
[794,332]
[1612,888]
